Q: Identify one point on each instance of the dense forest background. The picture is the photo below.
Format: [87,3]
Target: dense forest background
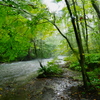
[29,29]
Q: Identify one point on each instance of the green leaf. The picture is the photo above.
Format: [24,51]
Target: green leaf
[58,0]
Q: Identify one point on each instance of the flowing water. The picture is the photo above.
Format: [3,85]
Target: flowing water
[38,89]
[19,70]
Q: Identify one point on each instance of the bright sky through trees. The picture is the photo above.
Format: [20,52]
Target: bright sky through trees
[53,6]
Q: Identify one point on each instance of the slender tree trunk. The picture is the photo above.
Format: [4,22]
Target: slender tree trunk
[79,42]
[86,29]
[35,51]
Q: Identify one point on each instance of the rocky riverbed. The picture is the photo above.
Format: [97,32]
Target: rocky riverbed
[53,88]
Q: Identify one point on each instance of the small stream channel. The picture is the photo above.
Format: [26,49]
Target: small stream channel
[14,75]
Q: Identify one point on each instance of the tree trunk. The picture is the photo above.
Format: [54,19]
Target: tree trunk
[79,42]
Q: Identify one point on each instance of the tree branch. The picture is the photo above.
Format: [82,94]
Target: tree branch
[92,28]
[95,6]
[15,8]
[63,37]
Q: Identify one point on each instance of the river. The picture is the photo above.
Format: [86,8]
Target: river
[36,89]
[18,71]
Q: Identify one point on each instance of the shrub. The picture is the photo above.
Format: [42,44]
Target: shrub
[71,58]
[50,70]
[93,62]
[95,76]
[75,66]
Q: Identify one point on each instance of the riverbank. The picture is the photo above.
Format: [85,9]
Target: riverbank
[63,88]
[42,88]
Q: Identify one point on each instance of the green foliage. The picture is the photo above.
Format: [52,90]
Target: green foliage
[18,28]
[74,63]
[75,66]
[58,0]
[50,70]
[93,60]
[44,50]
[71,58]
[95,77]
[94,57]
